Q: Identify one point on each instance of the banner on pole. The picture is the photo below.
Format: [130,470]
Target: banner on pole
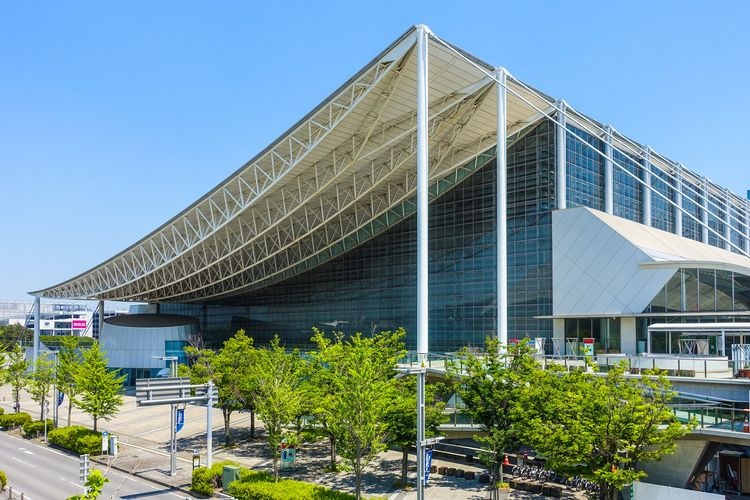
[427,464]
[180,419]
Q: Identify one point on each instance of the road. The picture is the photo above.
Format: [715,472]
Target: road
[43,473]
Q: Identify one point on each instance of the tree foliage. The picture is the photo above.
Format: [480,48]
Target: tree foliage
[99,389]
[16,373]
[491,386]
[41,381]
[362,371]
[69,358]
[231,371]
[14,335]
[401,416]
[94,485]
[601,427]
[278,380]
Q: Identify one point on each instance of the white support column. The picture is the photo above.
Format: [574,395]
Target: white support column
[747,228]
[608,171]
[37,317]
[502,209]
[727,219]
[561,190]
[704,210]
[101,317]
[647,186]
[210,424]
[678,199]
[422,243]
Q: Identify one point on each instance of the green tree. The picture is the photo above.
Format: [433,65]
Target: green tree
[402,417]
[94,485]
[41,381]
[278,381]
[13,335]
[363,385]
[601,427]
[16,373]
[99,389]
[230,369]
[491,387]
[68,361]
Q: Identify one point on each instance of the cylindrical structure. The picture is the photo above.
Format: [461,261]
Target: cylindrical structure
[704,210]
[502,209]
[101,317]
[561,162]
[647,186]
[727,220]
[608,171]
[422,243]
[209,425]
[37,317]
[678,199]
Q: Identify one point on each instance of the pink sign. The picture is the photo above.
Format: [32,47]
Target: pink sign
[79,324]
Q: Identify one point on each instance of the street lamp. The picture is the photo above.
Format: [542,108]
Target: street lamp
[172,431]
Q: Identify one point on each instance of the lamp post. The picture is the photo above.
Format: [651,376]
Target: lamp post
[172,432]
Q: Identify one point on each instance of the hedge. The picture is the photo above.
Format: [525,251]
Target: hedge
[205,481]
[2,410]
[14,420]
[78,439]
[33,429]
[286,489]
[3,480]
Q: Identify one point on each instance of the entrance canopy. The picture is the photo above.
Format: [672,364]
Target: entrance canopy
[707,329]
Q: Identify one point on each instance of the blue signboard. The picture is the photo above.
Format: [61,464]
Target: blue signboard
[180,419]
[427,464]
[60,397]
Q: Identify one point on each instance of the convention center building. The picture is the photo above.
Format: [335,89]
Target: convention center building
[596,235]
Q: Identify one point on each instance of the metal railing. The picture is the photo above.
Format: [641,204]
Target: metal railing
[683,365]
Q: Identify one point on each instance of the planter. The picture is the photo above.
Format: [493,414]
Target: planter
[503,493]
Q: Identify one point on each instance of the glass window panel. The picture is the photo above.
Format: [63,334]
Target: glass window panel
[706,290]
[741,292]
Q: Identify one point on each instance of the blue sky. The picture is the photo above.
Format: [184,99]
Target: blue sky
[115,116]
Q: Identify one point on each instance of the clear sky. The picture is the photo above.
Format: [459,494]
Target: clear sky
[115,116]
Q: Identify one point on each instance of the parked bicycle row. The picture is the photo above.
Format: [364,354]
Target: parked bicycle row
[542,474]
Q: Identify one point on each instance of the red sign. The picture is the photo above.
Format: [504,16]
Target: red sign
[79,324]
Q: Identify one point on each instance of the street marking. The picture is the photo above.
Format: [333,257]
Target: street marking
[26,463]
[29,452]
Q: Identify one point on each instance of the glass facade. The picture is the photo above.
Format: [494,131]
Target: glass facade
[691,202]
[372,287]
[703,290]
[662,213]
[627,192]
[585,170]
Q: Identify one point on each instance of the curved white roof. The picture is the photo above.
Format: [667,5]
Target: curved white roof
[341,175]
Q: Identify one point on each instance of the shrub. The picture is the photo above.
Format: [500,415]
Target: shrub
[2,410]
[78,439]
[14,420]
[286,489]
[206,481]
[33,429]
[3,480]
